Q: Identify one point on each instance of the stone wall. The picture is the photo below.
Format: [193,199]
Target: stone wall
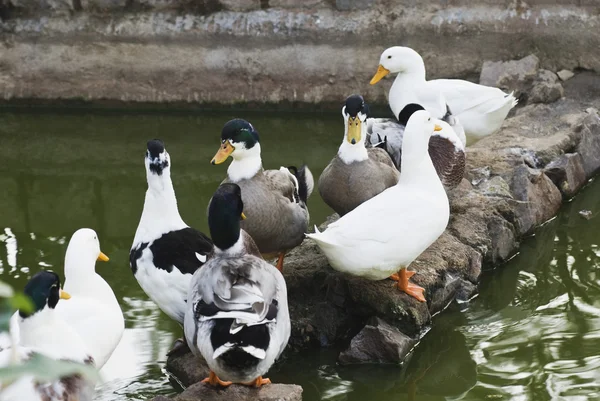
[271,51]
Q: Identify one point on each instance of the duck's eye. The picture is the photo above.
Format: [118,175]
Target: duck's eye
[389,57]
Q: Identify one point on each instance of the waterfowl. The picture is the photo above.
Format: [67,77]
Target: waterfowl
[43,331]
[237,316]
[384,235]
[480,109]
[446,149]
[275,199]
[166,252]
[356,173]
[93,311]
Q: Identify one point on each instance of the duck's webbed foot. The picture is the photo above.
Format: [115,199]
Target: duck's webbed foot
[258,382]
[404,285]
[214,381]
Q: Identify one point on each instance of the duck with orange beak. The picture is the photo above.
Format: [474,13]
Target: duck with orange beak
[275,200]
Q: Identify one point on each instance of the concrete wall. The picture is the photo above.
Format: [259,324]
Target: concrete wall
[311,51]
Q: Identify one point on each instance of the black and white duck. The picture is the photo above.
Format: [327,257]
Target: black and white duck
[166,252]
[237,317]
[275,199]
[356,173]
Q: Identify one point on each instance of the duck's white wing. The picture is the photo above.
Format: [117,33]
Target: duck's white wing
[463,95]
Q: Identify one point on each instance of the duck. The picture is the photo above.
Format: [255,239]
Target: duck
[356,173]
[43,331]
[93,312]
[237,317]
[166,252]
[384,235]
[276,199]
[446,148]
[480,109]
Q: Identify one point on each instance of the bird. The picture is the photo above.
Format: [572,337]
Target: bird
[446,148]
[166,252]
[44,332]
[276,199]
[237,317]
[93,311]
[480,109]
[356,173]
[384,235]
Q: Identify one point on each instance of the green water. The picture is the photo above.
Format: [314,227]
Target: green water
[532,334]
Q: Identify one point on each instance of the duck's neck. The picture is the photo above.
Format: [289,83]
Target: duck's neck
[82,280]
[350,153]
[401,92]
[245,164]
[160,214]
[237,249]
[418,170]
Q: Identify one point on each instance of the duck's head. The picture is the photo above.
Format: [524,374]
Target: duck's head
[399,60]
[355,112]
[225,212]
[44,290]
[238,140]
[157,161]
[83,252]
[418,130]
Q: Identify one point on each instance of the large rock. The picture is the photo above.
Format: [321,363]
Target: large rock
[567,174]
[514,75]
[271,392]
[546,88]
[378,342]
[240,5]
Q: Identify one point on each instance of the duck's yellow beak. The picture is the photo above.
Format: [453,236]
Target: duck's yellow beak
[243,216]
[437,128]
[381,72]
[64,295]
[353,135]
[103,258]
[224,151]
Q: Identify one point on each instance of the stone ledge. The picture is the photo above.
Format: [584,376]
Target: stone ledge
[272,392]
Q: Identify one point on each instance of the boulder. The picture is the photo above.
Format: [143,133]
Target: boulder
[240,5]
[567,174]
[187,367]
[589,145]
[348,5]
[293,4]
[514,75]
[271,392]
[378,342]
[546,88]
[565,75]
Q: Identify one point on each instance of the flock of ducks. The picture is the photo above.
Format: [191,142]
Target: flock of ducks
[389,175]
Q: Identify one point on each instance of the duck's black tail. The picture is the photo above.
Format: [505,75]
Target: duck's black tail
[306,182]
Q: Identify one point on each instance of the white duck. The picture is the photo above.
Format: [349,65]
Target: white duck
[237,316]
[388,232]
[94,312]
[43,331]
[166,251]
[480,109]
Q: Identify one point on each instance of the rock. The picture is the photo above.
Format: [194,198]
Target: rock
[378,342]
[567,174]
[546,88]
[271,392]
[589,145]
[513,75]
[495,186]
[298,4]
[40,5]
[565,75]
[586,214]
[504,241]
[103,5]
[188,368]
[240,5]
[348,5]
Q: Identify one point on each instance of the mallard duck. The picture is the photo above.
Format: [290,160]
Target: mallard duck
[356,173]
[446,149]
[384,235]
[275,199]
[480,109]
[93,312]
[166,251]
[237,316]
[43,331]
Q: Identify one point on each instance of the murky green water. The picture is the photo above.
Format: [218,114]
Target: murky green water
[533,334]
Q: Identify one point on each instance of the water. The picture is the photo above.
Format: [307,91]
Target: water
[533,333]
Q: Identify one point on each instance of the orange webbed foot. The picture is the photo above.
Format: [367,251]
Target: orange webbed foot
[258,382]
[411,289]
[214,380]
[280,262]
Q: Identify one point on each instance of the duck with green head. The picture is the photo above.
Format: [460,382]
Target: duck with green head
[275,200]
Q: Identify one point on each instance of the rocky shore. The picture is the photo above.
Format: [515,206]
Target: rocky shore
[516,180]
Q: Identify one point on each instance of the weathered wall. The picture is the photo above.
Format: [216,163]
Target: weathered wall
[276,51]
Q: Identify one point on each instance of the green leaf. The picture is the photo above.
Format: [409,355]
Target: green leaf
[47,369]
[22,302]
[6,291]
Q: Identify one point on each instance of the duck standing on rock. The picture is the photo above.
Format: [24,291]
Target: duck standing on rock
[446,148]
[480,109]
[384,235]
[43,331]
[275,199]
[356,173]
[93,310]
[166,252]
[237,316]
